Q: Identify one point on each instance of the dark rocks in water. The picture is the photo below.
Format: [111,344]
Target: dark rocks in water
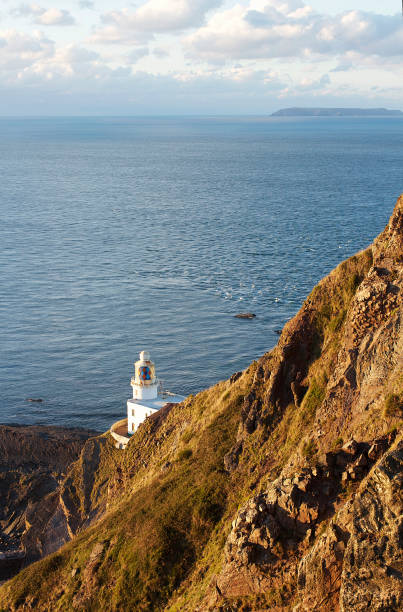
[33,399]
[278,331]
[245,315]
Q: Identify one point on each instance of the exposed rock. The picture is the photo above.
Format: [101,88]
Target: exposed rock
[351,447]
[33,463]
[235,377]
[231,459]
[96,554]
[245,315]
[90,579]
[250,414]
[372,566]
[290,512]
[357,563]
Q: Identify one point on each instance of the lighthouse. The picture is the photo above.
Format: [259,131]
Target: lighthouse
[147,399]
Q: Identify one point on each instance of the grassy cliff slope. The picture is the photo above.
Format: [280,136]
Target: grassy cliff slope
[267,491]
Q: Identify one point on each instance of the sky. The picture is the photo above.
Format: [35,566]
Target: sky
[209,57]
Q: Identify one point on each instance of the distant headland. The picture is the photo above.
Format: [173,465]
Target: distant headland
[337,112]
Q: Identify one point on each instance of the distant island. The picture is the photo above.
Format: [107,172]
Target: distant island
[337,112]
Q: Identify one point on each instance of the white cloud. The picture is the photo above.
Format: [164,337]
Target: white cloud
[20,50]
[43,16]
[68,67]
[135,55]
[74,54]
[273,29]
[240,56]
[155,16]
[74,80]
[160,52]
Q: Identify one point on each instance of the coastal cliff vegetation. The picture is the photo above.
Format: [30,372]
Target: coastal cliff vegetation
[278,489]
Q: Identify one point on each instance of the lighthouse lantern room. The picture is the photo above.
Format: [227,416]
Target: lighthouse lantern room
[146,396]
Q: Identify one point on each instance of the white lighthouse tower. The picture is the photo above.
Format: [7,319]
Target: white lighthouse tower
[146,397]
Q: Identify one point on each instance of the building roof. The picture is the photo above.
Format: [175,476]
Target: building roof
[157,403]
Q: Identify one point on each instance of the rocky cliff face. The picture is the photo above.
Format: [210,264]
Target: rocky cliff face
[279,489]
[339,547]
[33,465]
[351,393]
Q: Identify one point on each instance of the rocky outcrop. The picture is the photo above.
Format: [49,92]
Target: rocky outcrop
[276,528]
[71,507]
[341,546]
[34,446]
[245,315]
[372,574]
[356,564]
[33,465]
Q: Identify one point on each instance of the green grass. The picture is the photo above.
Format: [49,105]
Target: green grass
[338,442]
[185,453]
[336,322]
[393,405]
[313,399]
[332,297]
[309,450]
[187,435]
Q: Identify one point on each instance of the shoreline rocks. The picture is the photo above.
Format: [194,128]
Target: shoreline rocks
[33,463]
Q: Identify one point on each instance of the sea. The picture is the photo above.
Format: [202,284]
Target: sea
[119,234]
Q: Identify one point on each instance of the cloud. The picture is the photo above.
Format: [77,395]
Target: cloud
[74,55]
[74,79]
[155,16]
[277,29]
[312,84]
[343,66]
[88,4]
[160,52]
[67,67]
[137,54]
[249,56]
[46,17]
[19,50]
[95,88]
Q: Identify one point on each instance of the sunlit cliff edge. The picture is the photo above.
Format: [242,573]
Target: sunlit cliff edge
[278,489]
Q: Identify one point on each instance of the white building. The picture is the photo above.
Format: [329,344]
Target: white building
[146,396]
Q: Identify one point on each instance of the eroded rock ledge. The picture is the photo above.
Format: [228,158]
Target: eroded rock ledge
[333,532]
[33,464]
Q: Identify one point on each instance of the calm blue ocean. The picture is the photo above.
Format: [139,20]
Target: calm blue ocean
[122,234]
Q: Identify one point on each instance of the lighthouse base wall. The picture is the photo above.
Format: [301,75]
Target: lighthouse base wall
[139,410]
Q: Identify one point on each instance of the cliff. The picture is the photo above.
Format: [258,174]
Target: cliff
[278,489]
[33,463]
